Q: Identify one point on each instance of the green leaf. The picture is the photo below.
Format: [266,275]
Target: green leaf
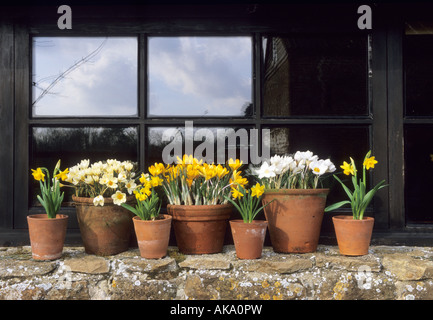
[336,205]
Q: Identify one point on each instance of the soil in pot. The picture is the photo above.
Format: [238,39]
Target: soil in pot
[153,236]
[200,229]
[353,236]
[47,235]
[248,238]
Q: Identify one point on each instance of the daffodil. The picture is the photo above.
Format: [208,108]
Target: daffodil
[98,201]
[119,198]
[63,175]
[38,174]
[236,194]
[369,163]
[130,186]
[348,168]
[257,190]
[359,198]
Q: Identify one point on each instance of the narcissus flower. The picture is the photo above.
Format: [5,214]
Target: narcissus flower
[236,193]
[119,198]
[369,163]
[257,190]
[347,168]
[98,201]
[38,174]
[62,175]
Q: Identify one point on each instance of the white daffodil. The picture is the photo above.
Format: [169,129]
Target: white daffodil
[112,182]
[89,180]
[130,186]
[119,198]
[98,201]
[122,177]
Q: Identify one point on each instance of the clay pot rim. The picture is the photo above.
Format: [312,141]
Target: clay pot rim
[44,217]
[107,200]
[166,218]
[201,206]
[296,191]
[254,222]
[349,219]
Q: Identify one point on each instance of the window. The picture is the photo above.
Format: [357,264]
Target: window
[129,97]
[418,126]
[84,77]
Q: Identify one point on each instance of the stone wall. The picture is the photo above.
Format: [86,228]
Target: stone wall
[386,273]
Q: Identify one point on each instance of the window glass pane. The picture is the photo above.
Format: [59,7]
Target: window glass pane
[84,76]
[212,144]
[200,76]
[315,76]
[336,142]
[418,60]
[418,173]
[72,145]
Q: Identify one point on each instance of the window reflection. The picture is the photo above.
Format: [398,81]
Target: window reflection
[200,76]
[418,173]
[315,76]
[71,145]
[84,76]
[221,144]
[419,74]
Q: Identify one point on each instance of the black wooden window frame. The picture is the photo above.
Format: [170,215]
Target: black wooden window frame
[385,121]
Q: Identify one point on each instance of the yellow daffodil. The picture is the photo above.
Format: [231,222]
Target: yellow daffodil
[257,190]
[348,168]
[63,175]
[38,174]
[236,193]
[238,179]
[369,163]
[234,164]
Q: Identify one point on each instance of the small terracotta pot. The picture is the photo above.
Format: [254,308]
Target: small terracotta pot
[105,230]
[295,218]
[353,236]
[200,229]
[47,235]
[153,236]
[248,238]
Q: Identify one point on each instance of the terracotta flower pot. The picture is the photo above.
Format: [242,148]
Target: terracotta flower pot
[353,236]
[47,235]
[248,238]
[153,236]
[295,218]
[200,229]
[105,230]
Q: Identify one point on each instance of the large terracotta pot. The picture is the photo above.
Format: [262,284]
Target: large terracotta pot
[153,236]
[248,238]
[47,235]
[105,230]
[295,218]
[200,229]
[353,236]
